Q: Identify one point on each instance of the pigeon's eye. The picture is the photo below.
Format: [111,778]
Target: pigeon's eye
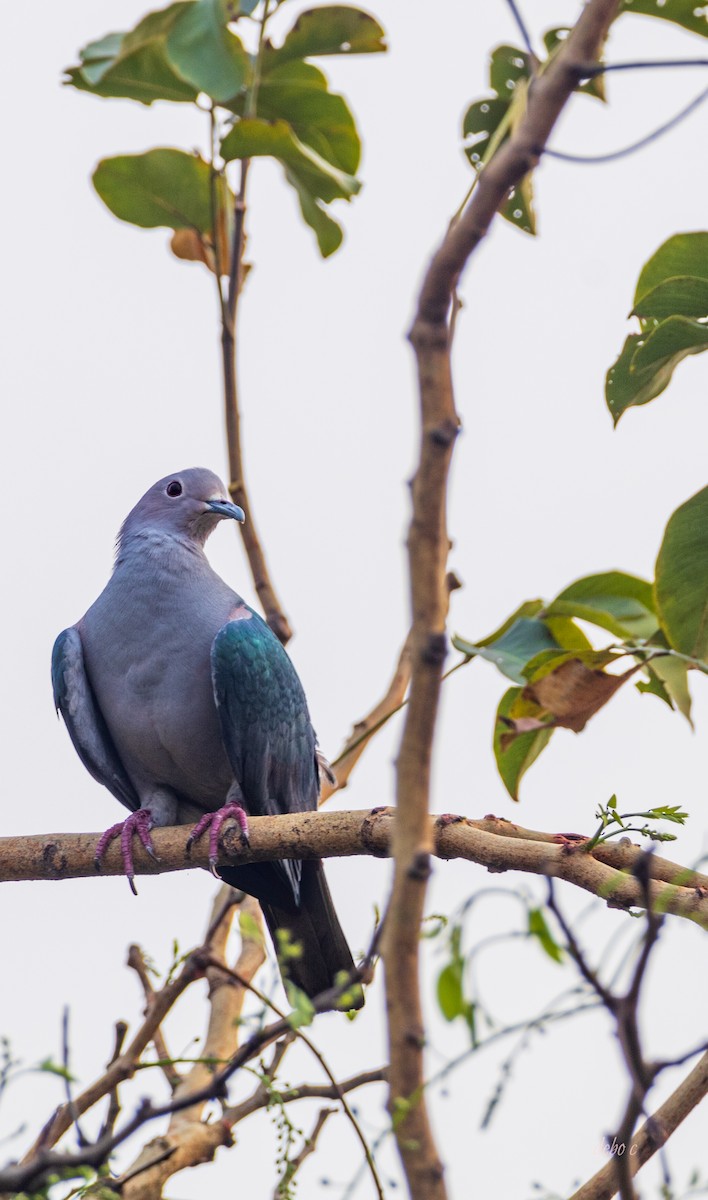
[174,488]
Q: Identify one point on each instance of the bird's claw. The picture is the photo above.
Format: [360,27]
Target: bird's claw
[140,823]
[214,822]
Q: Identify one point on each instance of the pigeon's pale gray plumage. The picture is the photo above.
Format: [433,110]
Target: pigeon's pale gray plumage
[180,700]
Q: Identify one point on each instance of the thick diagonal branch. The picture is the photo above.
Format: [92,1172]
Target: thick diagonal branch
[428,548]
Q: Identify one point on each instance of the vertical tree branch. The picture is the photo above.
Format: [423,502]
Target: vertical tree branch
[238,491]
[427,549]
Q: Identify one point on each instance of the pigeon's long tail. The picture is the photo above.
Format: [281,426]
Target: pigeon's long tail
[315,928]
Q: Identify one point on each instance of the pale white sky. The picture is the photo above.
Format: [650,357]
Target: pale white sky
[112,380]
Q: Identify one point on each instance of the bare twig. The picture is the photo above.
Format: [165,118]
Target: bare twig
[136,960]
[308,1147]
[272,608]
[363,731]
[653,1134]
[185,1138]
[337,1093]
[41,1161]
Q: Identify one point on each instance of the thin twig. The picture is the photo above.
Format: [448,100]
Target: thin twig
[303,1037]
[136,960]
[309,1145]
[625,151]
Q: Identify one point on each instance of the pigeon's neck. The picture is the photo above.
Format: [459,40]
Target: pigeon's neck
[159,550]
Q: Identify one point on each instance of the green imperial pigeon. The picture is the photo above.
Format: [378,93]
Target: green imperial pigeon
[182,702]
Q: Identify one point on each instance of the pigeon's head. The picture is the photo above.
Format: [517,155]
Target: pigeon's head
[188,504]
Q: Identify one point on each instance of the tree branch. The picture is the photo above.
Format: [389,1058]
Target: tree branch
[493,843]
[653,1134]
[428,545]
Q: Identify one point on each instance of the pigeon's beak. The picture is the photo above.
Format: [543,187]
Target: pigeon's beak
[224,508]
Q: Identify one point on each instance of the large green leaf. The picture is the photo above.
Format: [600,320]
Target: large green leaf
[685,295]
[682,578]
[162,187]
[670,342]
[252,138]
[622,604]
[205,52]
[682,254]
[332,29]
[134,65]
[686,13]
[515,753]
[297,93]
[526,638]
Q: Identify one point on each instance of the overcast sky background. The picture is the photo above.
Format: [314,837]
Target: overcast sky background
[112,380]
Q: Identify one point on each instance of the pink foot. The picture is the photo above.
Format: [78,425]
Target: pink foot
[214,821]
[140,823]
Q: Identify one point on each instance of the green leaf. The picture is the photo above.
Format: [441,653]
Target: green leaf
[507,65]
[685,13]
[332,29]
[327,231]
[50,1067]
[681,586]
[252,138]
[685,295]
[480,123]
[681,255]
[648,361]
[538,928]
[303,1010]
[622,604]
[526,638]
[625,388]
[449,990]
[516,753]
[297,93]
[671,674]
[670,342]
[134,65]
[205,52]
[161,187]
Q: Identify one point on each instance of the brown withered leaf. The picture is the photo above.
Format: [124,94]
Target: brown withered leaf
[574,692]
[190,245]
[194,246]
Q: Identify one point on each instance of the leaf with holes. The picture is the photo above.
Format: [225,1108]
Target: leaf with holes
[553,39]
[648,360]
[682,578]
[332,29]
[686,13]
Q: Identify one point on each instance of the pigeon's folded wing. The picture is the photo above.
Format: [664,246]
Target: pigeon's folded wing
[74,699]
[265,724]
